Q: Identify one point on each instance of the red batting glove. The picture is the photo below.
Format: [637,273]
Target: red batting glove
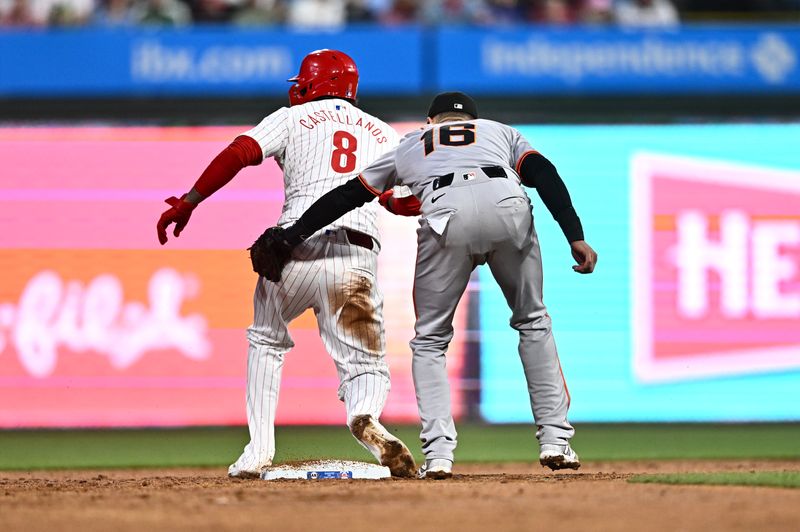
[179,213]
[407,206]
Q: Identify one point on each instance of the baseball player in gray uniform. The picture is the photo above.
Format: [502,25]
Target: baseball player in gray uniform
[468,173]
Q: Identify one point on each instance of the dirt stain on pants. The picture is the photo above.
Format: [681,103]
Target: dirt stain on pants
[356,312]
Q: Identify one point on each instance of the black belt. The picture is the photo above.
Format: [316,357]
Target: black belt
[359,239]
[447,179]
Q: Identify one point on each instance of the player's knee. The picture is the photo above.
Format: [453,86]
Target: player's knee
[258,337]
[431,343]
[538,321]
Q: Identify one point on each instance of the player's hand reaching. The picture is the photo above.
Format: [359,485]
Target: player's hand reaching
[179,212]
[584,255]
[406,206]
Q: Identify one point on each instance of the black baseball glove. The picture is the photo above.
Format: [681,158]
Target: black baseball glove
[270,253]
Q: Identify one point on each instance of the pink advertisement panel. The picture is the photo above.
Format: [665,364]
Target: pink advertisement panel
[717,269]
[101,326]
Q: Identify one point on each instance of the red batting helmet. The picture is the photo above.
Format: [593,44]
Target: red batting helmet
[324,73]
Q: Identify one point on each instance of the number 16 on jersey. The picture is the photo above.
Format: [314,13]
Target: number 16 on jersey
[455,135]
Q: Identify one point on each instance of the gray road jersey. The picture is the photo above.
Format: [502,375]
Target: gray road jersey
[439,149]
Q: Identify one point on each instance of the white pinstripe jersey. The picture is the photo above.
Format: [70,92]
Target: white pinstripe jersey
[320,145]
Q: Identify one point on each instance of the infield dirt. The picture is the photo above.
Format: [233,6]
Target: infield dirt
[485,497]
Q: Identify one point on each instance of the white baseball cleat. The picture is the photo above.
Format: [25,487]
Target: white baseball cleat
[236,470]
[436,469]
[388,449]
[559,457]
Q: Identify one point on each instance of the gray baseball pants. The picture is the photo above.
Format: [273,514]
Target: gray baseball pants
[490,222]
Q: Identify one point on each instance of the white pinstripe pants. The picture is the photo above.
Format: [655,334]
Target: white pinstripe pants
[338,280]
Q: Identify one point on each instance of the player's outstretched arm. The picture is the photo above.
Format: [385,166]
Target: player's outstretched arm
[273,249]
[329,208]
[536,171]
[243,151]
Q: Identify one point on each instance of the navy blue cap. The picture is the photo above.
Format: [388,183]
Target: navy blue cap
[453,102]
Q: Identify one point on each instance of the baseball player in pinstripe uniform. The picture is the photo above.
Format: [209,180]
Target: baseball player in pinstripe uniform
[320,141]
[468,174]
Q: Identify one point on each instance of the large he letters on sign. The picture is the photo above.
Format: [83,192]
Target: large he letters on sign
[717,269]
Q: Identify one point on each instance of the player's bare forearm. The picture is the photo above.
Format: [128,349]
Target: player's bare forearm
[536,171]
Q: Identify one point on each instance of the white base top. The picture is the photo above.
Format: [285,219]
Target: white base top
[326,469]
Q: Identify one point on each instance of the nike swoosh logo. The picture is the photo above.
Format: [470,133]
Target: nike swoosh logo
[433,200]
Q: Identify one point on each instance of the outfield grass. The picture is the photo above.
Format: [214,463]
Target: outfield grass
[776,479]
[20,450]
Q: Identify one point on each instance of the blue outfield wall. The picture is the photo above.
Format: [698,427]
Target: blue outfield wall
[607,60]
[197,61]
[403,61]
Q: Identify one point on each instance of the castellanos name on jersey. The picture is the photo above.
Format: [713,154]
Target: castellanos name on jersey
[321,145]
